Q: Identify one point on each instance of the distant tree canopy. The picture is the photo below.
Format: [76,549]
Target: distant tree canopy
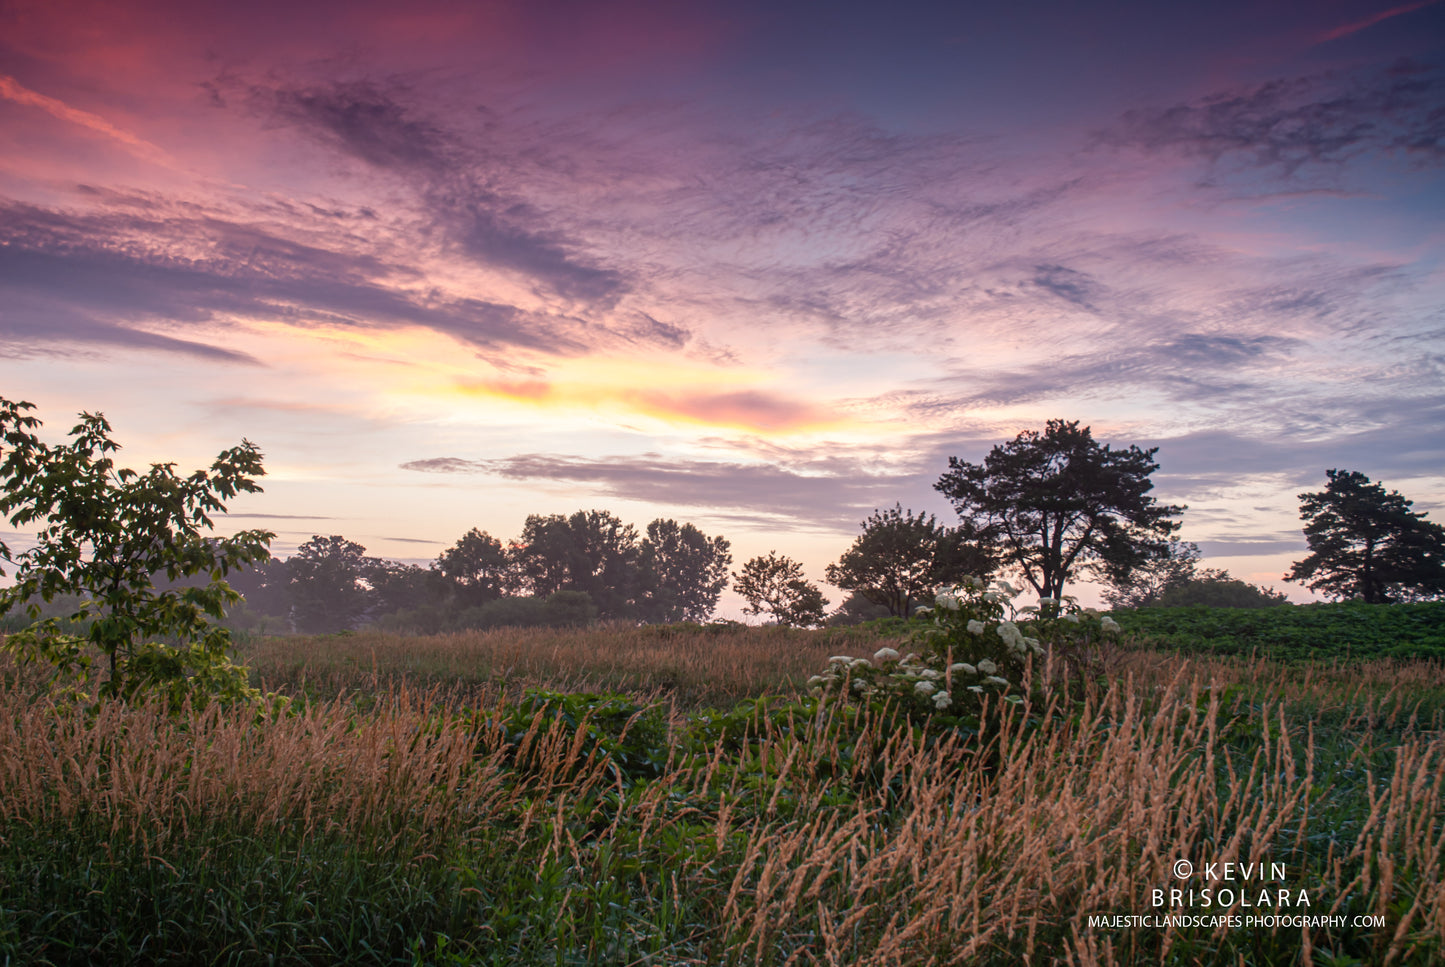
[684,572]
[1368,544]
[478,568]
[1055,504]
[591,551]
[326,584]
[1219,589]
[1142,585]
[562,570]
[775,585]
[1176,580]
[900,559]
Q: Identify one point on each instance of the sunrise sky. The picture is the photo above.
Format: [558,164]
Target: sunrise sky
[763,266]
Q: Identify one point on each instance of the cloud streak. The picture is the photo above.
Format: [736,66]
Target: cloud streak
[824,496]
[1293,125]
[98,277]
[369,123]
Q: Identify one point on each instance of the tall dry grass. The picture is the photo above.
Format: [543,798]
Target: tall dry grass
[745,851]
[708,665]
[1088,820]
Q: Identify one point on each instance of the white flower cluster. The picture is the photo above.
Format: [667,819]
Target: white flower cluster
[976,618]
[1016,641]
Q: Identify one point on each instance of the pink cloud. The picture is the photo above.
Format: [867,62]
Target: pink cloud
[1358,25]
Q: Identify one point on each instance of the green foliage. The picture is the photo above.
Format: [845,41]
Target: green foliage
[1308,632]
[775,585]
[977,651]
[631,739]
[1057,504]
[104,532]
[900,558]
[1368,544]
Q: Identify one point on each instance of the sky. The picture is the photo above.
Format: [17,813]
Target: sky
[762,266]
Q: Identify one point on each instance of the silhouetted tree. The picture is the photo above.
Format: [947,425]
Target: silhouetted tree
[591,551]
[1141,586]
[1368,544]
[775,585]
[478,567]
[327,589]
[1218,589]
[398,587]
[901,559]
[684,572]
[855,610]
[1057,503]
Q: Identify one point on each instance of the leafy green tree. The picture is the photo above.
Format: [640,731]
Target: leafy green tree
[104,532]
[1368,544]
[591,551]
[684,572]
[775,585]
[901,558]
[1057,503]
[327,586]
[478,568]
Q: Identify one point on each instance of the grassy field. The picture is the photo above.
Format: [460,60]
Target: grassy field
[421,806]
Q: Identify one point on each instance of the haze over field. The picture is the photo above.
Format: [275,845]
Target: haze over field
[759,266]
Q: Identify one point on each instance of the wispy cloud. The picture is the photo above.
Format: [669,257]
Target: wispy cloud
[12,90]
[1290,126]
[98,277]
[457,192]
[826,496]
[1354,27]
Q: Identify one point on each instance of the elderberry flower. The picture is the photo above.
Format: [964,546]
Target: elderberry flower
[1109,624]
[975,627]
[925,688]
[885,654]
[987,667]
[942,700]
[994,679]
[963,666]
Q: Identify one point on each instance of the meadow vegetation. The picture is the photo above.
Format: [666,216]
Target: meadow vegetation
[676,796]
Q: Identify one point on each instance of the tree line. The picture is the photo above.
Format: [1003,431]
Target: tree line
[561,570]
[1051,506]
